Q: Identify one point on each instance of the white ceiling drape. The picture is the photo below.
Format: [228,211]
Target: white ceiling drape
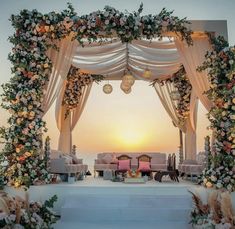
[112,59]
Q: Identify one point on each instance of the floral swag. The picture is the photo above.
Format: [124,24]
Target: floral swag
[34,34]
[76,80]
[184,88]
[220,64]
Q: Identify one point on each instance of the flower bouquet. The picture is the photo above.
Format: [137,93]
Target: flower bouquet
[19,213]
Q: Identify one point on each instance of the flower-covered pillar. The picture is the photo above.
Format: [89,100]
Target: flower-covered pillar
[220,64]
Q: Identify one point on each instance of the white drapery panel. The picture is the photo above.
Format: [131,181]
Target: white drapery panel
[110,59]
[193,57]
[61,60]
[163,91]
[189,127]
[66,125]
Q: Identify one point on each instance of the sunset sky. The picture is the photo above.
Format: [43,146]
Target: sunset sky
[117,122]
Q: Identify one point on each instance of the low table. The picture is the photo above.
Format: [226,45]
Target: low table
[172,174]
[134,180]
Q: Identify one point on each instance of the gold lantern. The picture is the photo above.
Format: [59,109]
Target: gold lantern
[107,88]
[147,74]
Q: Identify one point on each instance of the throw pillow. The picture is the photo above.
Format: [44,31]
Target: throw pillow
[68,159]
[107,158]
[124,164]
[74,159]
[144,166]
[114,159]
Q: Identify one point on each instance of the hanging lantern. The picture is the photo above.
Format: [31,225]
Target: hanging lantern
[125,87]
[107,88]
[128,78]
[128,91]
[147,74]
[175,95]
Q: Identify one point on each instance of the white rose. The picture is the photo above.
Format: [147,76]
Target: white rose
[231,62]
[213,178]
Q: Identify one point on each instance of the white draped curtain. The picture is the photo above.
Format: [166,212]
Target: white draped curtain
[61,60]
[189,126]
[66,125]
[110,59]
[192,57]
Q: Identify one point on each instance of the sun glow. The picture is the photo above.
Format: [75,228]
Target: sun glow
[131,139]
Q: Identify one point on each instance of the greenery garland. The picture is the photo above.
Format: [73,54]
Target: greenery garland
[220,65]
[76,80]
[34,34]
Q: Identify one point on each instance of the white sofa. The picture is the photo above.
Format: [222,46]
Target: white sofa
[193,167]
[104,161]
[62,164]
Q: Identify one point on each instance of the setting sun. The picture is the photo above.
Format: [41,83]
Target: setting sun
[131,138]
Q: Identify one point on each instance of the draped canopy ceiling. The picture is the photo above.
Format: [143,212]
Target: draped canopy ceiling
[111,59]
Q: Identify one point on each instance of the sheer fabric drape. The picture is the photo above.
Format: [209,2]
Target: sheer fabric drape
[61,60]
[161,57]
[192,57]
[189,126]
[66,125]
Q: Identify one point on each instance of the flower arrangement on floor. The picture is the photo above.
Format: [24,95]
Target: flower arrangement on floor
[76,80]
[22,97]
[133,173]
[220,64]
[213,212]
[18,213]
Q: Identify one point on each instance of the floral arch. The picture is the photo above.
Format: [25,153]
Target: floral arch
[44,43]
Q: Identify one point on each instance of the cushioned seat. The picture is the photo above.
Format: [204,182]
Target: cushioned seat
[66,164]
[190,168]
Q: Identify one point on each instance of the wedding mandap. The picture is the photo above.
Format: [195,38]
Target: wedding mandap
[57,57]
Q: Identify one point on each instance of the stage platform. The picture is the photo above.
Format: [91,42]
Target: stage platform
[98,186]
[95,203]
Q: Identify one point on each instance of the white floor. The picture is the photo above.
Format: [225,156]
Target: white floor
[111,205]
[95,203]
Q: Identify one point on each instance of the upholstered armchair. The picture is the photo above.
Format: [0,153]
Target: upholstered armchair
[63,164]
[124,163]
[144,165]
[190,168]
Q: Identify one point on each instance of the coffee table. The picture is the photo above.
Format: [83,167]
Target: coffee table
[171,173]
[134,180]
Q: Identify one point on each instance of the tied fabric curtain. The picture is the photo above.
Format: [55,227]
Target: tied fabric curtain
[66,125]
[61,60]
[189,126]
[193,57]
